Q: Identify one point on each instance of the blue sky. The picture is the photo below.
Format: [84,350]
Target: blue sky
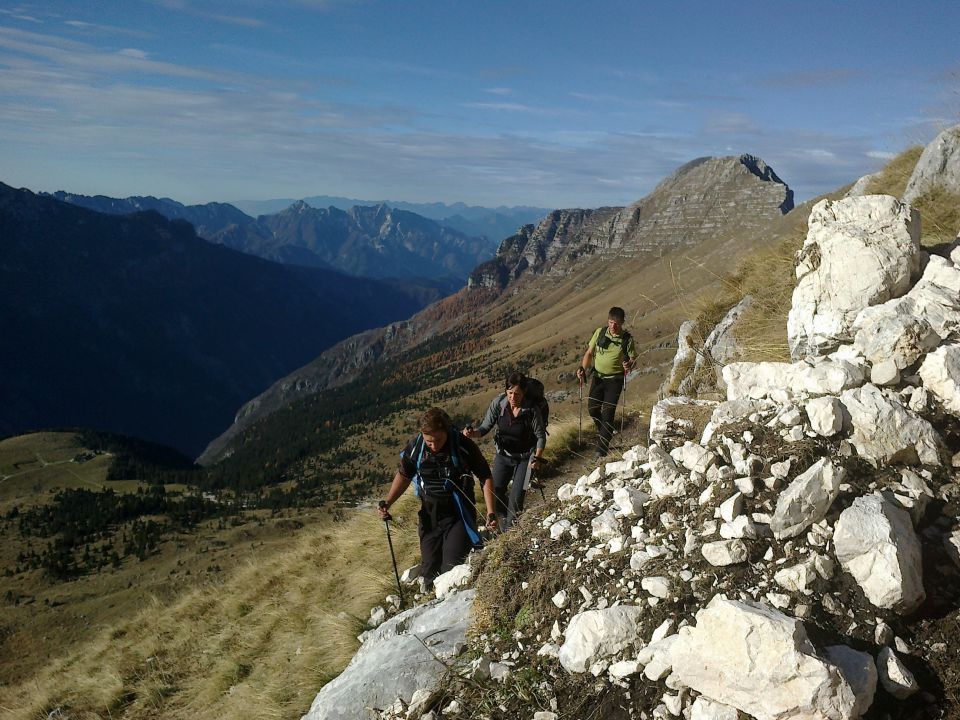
[556,104]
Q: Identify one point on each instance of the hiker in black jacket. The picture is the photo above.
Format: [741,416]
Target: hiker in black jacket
[441,464]
[611,353]
[520,439]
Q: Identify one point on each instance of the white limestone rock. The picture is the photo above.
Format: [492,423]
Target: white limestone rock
[668,427]
[721,553]
[449,581]
[895,677]
[797,578]
[760,661]
[393,663]
[858,252]
[786,382]
[859,670]
[807,499]
[875,542]
[825,415]
[410,575]
[629,501]
[658,586]
[892,339]
[694,457]
[938,166]
[599,634]
[705,709]
[940,373]
[559,528]
[666,480]
[606,525]
[887,432]
[561,599]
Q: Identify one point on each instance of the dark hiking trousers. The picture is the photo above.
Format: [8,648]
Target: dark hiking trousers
[602,406]
[509,471]
[444,543]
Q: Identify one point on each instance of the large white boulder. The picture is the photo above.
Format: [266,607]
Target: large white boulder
[393,662]
[666,480]
[595,635]
[784,382]
[938,166]
[875,542]
[825,415]
[940,374]
[886,432]
[858,252]
[449,581]
[807,499]
[760,661]
[859,670]
[892,339]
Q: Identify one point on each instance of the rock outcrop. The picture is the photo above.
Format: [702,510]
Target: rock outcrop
[938,166]
[704,198]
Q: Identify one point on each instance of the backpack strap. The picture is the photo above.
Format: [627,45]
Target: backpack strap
[419,447]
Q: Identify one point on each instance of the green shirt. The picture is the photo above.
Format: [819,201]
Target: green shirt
[609,361]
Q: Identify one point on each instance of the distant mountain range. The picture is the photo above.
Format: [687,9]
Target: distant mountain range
[368,241]
[493,223]
[135,324]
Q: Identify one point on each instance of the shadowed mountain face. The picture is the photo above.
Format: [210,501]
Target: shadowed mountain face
[376,241]
[206,219]
[134,324]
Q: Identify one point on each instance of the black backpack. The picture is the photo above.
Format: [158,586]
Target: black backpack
[603,341]
[533,397]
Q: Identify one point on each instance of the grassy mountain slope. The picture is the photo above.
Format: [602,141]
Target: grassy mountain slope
[260,637]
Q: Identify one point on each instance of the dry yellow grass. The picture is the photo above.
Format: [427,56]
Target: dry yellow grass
[257,644]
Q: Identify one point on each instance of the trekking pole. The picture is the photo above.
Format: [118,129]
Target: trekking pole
[623,412]
[580,435]
[386,524]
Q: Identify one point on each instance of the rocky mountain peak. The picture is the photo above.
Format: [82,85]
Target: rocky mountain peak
[702,199]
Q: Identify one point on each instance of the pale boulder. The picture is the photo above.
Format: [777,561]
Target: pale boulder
[666,480]
[449,581]
[875,542]
[859,670]
[756,659]
[599,634]
[887,432]
[825,415]
[858,252]
[892,339]
[938,166]
[394,663]
[721,553]
[629,501]
[671,423]
[895,677]
[940,374]
[785,382]
[807,499]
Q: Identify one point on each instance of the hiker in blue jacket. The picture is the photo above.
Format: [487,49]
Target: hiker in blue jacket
[442,464]
[520,439]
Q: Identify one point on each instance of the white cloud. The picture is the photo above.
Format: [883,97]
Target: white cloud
[880,154]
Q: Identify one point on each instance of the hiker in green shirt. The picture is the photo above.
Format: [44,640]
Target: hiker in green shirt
[611,353]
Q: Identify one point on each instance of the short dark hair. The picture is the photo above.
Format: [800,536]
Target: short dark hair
[435,419]
[617,313]
[516,378]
